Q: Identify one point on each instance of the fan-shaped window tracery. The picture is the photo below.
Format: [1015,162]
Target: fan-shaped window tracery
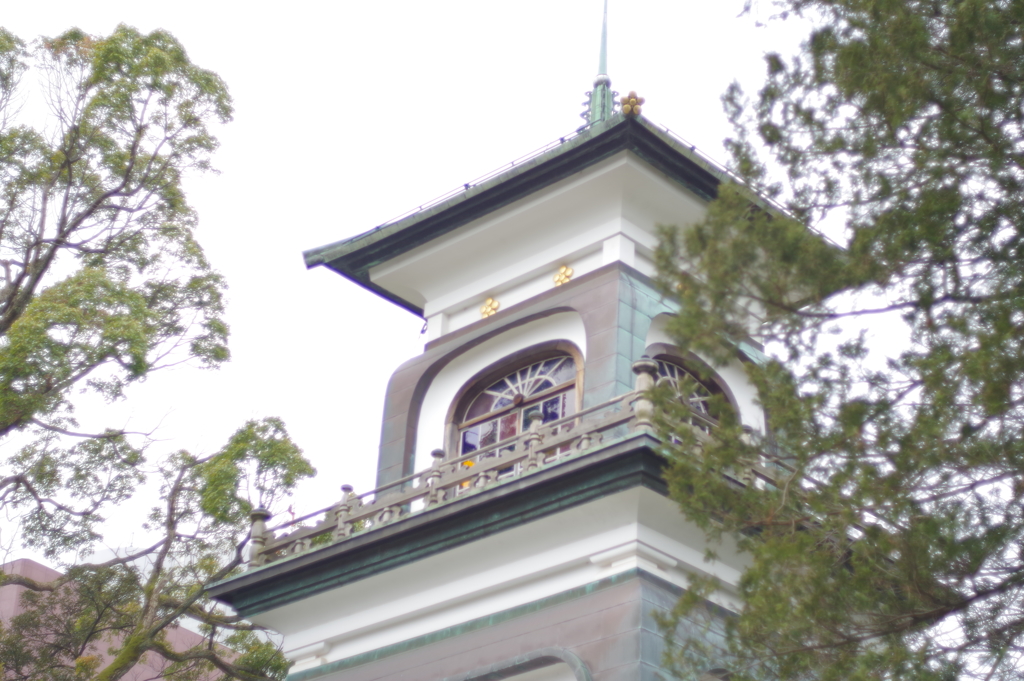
[697,397]
[501,410]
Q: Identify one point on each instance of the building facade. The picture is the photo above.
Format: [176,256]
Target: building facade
[520,528]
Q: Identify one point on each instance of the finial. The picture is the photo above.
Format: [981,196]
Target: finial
[601,100]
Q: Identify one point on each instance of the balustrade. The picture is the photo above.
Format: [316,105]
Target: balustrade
[539,446]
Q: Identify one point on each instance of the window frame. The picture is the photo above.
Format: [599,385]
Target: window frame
[533,399]
[498,370]
[701,371]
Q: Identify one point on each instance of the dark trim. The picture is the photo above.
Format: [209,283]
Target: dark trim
[627,463]
[537,659]
[701,370]
[440,352]
[426,379]
[417,375]
[363,279]
[491,620]
[519,664]
[353,258]
[493,372]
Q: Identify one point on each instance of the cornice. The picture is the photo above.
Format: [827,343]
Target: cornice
[353,258]
[627,463]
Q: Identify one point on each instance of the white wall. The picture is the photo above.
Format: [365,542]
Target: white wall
[635,528]
[567,326]
[608,212]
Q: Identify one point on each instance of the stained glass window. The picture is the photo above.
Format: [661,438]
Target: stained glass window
[501,411]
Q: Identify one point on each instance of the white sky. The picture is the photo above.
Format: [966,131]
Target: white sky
[349,113]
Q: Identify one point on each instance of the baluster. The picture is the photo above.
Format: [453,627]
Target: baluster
[433,478]
[452,469]
[258,536]
[485,478]
[434,474]
[386,515]
[747,474]
[338,515]
[435,496]
[646,369]
[532,441]
[343,511]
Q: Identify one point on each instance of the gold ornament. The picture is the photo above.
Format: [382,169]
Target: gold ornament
[631,104]
[489,307]
[563,275]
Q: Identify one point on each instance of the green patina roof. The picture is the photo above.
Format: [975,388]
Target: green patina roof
[354,257]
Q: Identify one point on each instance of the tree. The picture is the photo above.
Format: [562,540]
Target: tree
[103,284]
[891,545]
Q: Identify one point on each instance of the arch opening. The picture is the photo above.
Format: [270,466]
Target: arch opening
[501,410]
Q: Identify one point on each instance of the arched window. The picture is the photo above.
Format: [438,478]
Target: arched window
[501,410]
[698,395]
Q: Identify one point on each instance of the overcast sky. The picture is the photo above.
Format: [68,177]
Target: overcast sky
[349,113]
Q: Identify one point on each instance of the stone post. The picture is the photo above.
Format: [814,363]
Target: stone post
[342,511]
[533,440]
[258,536]
[434,474]
[433,478]
[750,478]
[646,370]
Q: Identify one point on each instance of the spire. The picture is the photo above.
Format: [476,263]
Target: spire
[602,99]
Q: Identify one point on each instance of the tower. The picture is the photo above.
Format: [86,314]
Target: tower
[520,528]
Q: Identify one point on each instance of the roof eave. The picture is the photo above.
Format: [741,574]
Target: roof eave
[354,257]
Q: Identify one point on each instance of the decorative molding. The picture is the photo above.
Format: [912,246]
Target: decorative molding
[537,659]
[489,308]
[631,104]
[489,621]
[563,275]
[619,465]
[353,258]
[635,549]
